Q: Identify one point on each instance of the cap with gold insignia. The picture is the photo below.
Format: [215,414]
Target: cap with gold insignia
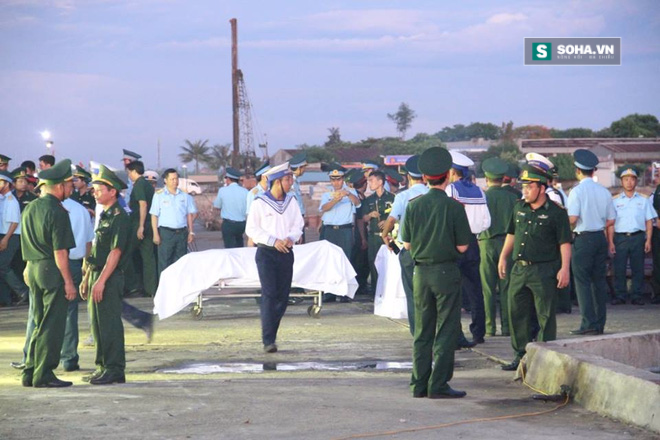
[6,176]
[336,170]
[460,161]
[19,173]
[494,168]
[392,175]
[585,159]
[131,155]
[58,173]
[369,164]
[278,172]
[262,169]
[435,162]
[82,173]
[106,176]
[298,160]
[539,161]
[533,174]
[628,170]
[412,166]
[4,159]
[232,173]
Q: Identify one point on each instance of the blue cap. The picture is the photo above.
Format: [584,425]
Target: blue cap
[336,170]
[298,160]
[232,173]
[262,169]
[412,166]
[370,164]
[585,159]
[130,155]
[6,175]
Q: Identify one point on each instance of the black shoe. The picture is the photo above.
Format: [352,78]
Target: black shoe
[513,366]
[55,383]
[344,299]
[586,331]
[637,302]
[108,378]
[94,375]
[656,300]
[450,393]
[270,348]
[465,344]
[26,381]
[17,365]
[478,340]
[420,394]
[72,368]
[617,301]
[329,298]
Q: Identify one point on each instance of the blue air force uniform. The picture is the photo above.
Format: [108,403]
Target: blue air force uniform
[232,203]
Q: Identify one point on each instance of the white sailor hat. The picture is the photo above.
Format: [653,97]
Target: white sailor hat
[539,161]
[460,161]
[278,172]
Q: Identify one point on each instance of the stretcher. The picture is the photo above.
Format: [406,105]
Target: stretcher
[318,267]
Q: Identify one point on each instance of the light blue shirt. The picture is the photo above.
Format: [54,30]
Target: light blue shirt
[340,214]
[82,227]
[254,192]
[592,204]
[632,213]
[10,212]
[172,209]
[298,194]
[232,202]
[129,189]
[401,202]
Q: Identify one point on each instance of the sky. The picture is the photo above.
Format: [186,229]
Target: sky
[102,75]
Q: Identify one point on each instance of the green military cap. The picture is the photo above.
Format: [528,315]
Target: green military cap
[336,170]
[298,160]
[532,174]
[19,173]
[513,171]
[354,176]
[494,168]
[6,176]
[4,159]
[105,175]
[435,162]
[82,173]
[58,173]
[130,155]
[392,175]
[628,170]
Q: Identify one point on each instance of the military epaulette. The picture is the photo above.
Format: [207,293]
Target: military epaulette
[9,196]
[117,211]
[254,190]
[159,191]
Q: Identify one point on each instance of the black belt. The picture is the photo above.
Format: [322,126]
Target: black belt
[629,234]
[232,221]
[589,232]
[173,230]
[265,246]
[346,226]
[525,263]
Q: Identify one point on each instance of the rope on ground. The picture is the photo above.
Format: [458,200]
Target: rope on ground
[461,422]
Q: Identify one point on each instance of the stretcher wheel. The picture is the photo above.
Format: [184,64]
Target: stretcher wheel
[314,311]
[197,313]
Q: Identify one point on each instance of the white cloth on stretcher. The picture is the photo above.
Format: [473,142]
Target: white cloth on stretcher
[319,265]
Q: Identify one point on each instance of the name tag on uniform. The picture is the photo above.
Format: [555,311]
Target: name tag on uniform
[543,217]
[166,202]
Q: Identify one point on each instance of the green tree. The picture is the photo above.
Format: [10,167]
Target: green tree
[219,156]
[195,151]
[636,125]
[334,138]
[403,118]
[318,154]
[565,166]
[571,133]
[505,150]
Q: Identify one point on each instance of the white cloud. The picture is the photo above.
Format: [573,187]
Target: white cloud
[506,18]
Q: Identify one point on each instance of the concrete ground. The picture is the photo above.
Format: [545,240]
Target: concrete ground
[306,404]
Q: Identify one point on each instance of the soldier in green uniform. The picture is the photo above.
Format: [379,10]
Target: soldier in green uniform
[359,254]
[500,205]
[376,209]
[539,236]
[141,234]
[82,193]
[510,179]
[436,232]
[103,280]
[23,196]
[46,238]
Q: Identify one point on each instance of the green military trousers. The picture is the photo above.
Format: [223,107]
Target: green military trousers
[142,252]
[375,242]
[437,296]
[532,287]
[489,251]
[105,320]
[49,309]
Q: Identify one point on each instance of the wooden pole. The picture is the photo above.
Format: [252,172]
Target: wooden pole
[234,90]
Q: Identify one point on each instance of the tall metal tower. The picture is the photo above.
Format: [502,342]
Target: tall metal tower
[246,145]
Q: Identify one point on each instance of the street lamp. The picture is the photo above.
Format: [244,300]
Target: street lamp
[46,136]
[185,176]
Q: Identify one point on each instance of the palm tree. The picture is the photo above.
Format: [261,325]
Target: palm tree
[219,157]
[197,151]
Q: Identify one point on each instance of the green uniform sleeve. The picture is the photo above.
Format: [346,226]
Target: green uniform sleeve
[407,224]
[564,234]
[139,194]
[62,234]
[120,231]
[511,225]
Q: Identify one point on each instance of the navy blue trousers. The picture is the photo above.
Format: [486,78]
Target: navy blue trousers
[275,274]
[471,288]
